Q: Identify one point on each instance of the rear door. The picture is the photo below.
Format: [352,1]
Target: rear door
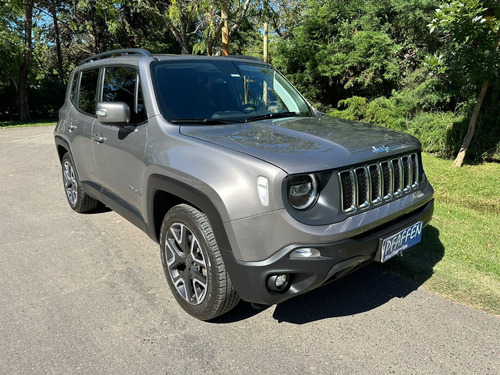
[79,122]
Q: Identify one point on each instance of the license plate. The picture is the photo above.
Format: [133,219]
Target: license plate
[399,242]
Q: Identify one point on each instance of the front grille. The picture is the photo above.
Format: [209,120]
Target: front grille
[372,184]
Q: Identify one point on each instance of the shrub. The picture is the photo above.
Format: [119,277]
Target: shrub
[439,132]
[384,112]
[355,109]
[434,129]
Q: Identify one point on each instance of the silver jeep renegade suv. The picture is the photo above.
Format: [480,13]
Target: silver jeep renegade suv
[250,192]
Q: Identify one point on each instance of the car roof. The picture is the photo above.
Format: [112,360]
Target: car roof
[136,54]
[162,57]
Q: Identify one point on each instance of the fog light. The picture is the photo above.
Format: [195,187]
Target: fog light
[280,280]
[305,252]
[278,283]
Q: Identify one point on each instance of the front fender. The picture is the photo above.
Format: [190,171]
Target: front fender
[179,192]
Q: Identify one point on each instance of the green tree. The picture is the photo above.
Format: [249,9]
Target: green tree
[470,30]
[17,22]
[197,25]
[180,17]
[221,20]
[338,49]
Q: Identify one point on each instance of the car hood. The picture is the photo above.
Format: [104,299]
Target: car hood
[306,144]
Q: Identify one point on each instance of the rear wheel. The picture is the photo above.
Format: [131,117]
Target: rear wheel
[193,265]
[77,198]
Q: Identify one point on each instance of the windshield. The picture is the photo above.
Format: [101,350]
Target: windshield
[223,91]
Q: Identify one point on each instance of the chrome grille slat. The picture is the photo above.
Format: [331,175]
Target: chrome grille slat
[376,184]
[362,183]
[396,166]
[406,174]
[387,173]
[369,185]
[347,191]
[415,169]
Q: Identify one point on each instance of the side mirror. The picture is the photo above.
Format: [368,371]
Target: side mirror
[113,113]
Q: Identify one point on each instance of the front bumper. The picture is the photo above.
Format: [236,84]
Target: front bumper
[337,259]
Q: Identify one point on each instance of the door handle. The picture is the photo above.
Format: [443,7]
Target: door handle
[72,127]
[98,139]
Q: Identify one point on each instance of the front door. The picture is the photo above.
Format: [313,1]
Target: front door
[119,150]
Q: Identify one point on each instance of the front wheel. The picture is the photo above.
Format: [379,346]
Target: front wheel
[193,265]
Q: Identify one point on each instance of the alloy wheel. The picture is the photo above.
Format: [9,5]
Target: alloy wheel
[70,184]
[186,263]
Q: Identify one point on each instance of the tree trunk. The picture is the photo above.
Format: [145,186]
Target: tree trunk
[472,126]
[179,36]
[60,68]
[225,33]
[22,85]
[184,39]
[266,41]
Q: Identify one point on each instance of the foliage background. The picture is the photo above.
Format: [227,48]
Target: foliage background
[411,65]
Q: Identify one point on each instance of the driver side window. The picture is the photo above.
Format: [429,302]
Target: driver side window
[121,84]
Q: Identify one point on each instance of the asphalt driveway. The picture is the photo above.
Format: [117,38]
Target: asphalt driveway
[86,294]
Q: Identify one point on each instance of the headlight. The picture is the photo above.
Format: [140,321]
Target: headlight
[302,191]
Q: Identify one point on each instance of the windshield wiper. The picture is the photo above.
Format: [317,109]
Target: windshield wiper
[271,115]
[205,121]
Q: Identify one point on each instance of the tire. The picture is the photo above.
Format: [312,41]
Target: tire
[193,265]
[77,198]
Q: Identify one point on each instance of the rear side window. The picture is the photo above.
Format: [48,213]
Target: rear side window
[121,84]
[88,90]
[74,88]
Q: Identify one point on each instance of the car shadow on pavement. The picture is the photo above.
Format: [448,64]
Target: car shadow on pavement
[100,209]
[361,291]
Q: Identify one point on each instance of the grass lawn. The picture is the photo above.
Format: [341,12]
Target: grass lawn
[459,256]
[19,124]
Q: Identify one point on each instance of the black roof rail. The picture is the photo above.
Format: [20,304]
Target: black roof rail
[244,57]
[123,52]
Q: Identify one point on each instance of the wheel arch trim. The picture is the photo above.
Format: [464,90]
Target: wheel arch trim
[180,192]
[61,143]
